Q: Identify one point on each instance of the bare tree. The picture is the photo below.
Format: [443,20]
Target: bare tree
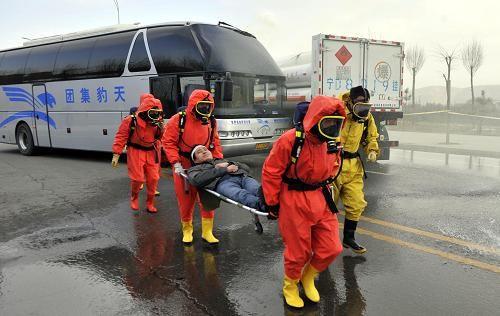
[472,58]
[414,59]
[448,57]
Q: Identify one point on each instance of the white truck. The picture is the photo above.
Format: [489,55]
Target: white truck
[337,63]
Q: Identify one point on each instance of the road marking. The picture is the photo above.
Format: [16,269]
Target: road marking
[376,172]
[424,233]
[443,254]
[479,116]
[424,113]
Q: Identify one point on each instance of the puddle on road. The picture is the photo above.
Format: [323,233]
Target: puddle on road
[59,289]
[478,165]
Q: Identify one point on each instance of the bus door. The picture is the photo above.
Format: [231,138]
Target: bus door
[166,89]
[41,114]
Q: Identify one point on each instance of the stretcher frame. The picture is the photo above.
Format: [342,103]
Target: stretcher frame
[255,213]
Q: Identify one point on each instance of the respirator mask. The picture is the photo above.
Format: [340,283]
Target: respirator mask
[203,111]
[328,130]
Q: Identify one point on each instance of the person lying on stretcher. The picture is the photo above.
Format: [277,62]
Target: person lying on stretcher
[228,178]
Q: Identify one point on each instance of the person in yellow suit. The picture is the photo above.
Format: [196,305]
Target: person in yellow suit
[359,130]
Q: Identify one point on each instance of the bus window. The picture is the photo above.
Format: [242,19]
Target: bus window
[253,95]
[73,58]
[139,60]
[13,65]
[188,85]
[165,89]
[173,50]
[197,80]
[41,61]
[109,54]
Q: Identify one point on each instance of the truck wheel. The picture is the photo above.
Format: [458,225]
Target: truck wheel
[385,152]
[24,140]
[383,132]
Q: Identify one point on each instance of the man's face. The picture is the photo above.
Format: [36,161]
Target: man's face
[202,154]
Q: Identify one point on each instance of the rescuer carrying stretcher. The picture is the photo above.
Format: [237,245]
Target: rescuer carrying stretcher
[296,181]
[141,133]
[184,131]
[359,130]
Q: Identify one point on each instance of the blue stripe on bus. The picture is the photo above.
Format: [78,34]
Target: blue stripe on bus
[15,93]
[24,114]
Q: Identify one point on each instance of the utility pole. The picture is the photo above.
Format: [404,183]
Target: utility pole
[117,9]
[448,100]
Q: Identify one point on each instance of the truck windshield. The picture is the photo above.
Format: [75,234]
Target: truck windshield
[254,97]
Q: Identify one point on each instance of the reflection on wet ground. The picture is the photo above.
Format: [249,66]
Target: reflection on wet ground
[150,271]
[98,257]
[480,165]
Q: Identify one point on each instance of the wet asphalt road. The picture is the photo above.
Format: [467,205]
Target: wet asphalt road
[70,245]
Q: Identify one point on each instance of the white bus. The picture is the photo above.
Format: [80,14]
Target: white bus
[72,91]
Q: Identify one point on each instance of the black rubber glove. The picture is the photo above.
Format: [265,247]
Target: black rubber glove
[273,211]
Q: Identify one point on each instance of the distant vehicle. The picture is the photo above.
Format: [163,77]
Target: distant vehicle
[338,63]
[72,91]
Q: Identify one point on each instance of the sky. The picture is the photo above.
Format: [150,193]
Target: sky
[286,27]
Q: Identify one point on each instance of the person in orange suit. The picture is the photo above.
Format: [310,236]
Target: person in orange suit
[302,191]
[184,131]
[141,133]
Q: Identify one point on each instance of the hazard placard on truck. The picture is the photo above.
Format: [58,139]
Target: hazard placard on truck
[340,63]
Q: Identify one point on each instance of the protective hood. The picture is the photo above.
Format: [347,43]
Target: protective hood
[148,102]
[197,96]
[158,104]
[321,106]
[145,96]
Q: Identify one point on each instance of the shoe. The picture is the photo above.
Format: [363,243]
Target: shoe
[134,194]
[349,241]
[307,281]
[134,201]
[291,293]
[150,204]
[187,232]
[207,226]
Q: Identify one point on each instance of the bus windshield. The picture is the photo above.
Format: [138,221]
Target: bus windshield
[254,96]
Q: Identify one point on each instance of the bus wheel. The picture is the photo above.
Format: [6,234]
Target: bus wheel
[24,140]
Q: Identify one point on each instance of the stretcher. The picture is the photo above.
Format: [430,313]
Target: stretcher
[255,213]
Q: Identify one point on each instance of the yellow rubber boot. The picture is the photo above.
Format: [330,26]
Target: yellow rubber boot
[187,232]
[207,226]
[307,281]
[291,293]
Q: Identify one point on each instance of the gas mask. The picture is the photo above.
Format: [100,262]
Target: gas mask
[360,111]
[328,130]
[203,111]
[153,116]
[358,103]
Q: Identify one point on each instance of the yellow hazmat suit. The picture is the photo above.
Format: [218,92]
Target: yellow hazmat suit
[349,184]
